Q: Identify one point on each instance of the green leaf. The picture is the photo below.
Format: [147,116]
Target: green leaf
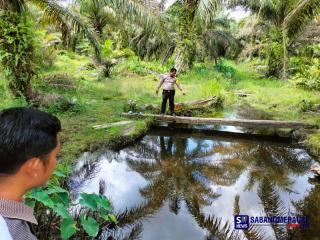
[103,213]
[30,203]
[59,173]
[90,226]
[68,228]
[103,202]
[61,211]
[94,201]
[56,189]
[107,48]
[112,218]
[88,200]
[42,196]
[64,198]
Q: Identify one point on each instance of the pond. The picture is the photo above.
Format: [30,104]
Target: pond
[177,185]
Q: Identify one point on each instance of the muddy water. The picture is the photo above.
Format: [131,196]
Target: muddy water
[183,186]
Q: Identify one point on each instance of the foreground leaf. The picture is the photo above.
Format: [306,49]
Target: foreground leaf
[88,200]
[68,228]
[61,211]
[90,226]
[112,218]
[42,196]
[58,173]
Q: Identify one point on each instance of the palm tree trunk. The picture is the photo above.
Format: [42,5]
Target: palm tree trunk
[168,54]
[184,57]
[18,59]
[179,62]
[285,51]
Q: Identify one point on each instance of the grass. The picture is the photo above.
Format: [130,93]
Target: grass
[278,97]
[102,101]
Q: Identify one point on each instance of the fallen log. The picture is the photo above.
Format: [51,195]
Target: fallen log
[108,125]
[199,104]
[211,102]
[243,93]
[224,121]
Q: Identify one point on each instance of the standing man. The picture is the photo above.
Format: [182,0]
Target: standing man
[167,81]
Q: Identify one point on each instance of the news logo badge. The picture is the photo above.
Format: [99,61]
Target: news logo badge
[241,222]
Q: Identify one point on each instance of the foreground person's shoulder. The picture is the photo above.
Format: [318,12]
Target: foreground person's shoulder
[4,230]
[19,229]
[17,218]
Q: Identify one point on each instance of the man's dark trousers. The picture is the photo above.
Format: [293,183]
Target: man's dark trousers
[168,94]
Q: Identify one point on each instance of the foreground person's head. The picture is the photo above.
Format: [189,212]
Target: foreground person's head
[29,146]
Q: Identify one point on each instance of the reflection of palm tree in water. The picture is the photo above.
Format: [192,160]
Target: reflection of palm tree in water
[176,176]
[178,173]
[273,206]
[262,160]
[310,207]
[270,167]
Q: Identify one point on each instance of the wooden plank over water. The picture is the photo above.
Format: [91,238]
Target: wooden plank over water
[224,121]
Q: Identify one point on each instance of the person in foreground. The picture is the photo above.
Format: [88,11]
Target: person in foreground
[29,145]
[167,81]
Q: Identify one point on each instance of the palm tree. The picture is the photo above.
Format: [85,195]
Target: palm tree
[192,13]
[287,18]
[97,14]
[20,64]
[216,38]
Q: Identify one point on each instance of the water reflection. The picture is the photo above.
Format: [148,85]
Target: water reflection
[171,186]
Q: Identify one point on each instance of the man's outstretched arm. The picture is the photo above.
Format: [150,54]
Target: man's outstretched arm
[180,88]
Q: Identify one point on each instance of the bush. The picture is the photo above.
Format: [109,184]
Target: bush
[48,56]
[223,67]
[132,106]
[83,47]
[137,66]
[55,103]
[306,106]
[308,76]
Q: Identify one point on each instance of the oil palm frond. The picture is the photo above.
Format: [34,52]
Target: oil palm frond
[13,5]
[135,233]
[53,12]
[214,225]
[254,232]
[130,216]
[206,10]
[273,206]
[301,14]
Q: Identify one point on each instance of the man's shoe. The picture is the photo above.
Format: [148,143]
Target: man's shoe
[173,114]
